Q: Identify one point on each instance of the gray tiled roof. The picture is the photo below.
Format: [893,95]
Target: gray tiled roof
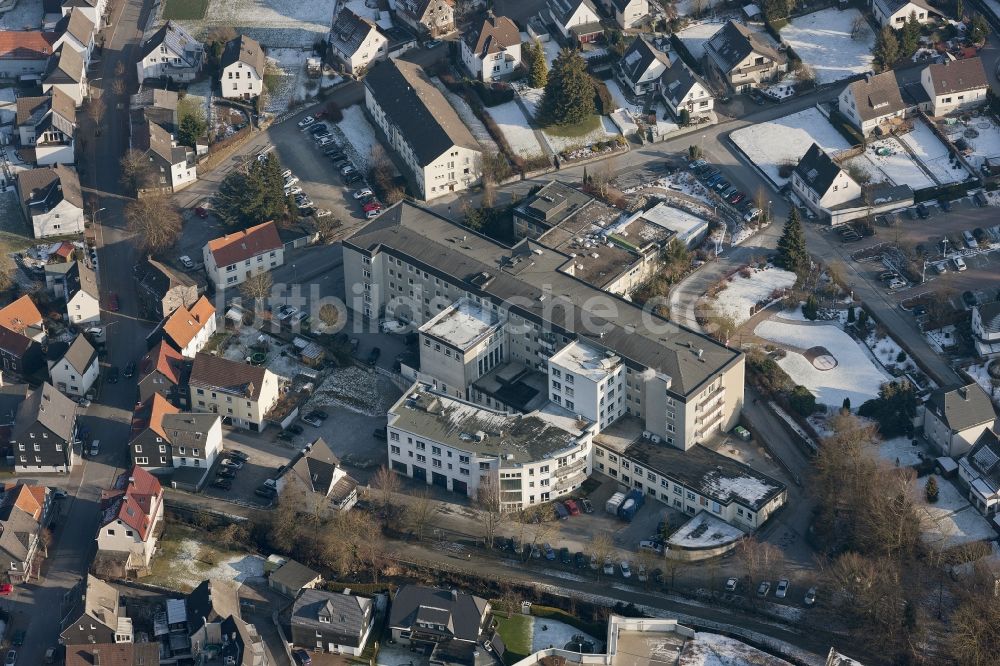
[984,458]
[639,57]
[890,7]
[293,575]
[496,34]
[817,169]
[961,407]
[348,614]
[65,66]
[877,95]
[246,50]
[51,185]
[349,31]
[177,40]
[989,314]
[734,42]
[50,408]
[421,112]
[461,613]
[222,374]
[958,76]
[80,354]
[678,81]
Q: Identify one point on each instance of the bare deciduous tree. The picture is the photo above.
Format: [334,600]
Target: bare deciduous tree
[386,483]
[761,560]
[137,172]
[119,87]
[602,547]
[420,512]
[257,287]
[95,111]
[154,221]
[490,507]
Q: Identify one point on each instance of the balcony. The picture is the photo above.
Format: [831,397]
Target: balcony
[570,468]
[568,482]
[701,406]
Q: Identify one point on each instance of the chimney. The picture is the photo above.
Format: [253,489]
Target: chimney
[964,392]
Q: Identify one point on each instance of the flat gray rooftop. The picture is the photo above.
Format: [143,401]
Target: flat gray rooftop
[648,648]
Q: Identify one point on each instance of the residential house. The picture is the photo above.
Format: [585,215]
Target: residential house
[871,102]
[156,105]
[164,438]
[19,354]
[956,416]
[577,20]
[186,330]
[132,513]
[683,90]
[356,42]
[24,54]
[427,17]
[46,127]
[291,577]
[627,13]
[78,30]
[337,623]
[821,183]
[22,316]
[73,367]
[494,51]
[83,300]
[238,392]
[743,57]
[986,329]
[422,128]
[316,469]
[100,619]
[109,654]
[445,621]
[230,260]
[173,166]
[242,68]
[163,289]
[165,371]
[43,433]
[894,13]
[979,470]
[23,515]
[66,71]
[94,9]
[955,85]
[51,200]
[170,53]
[215,626]
[641,67]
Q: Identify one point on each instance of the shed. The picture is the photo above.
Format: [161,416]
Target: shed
[752,12]
[291,578]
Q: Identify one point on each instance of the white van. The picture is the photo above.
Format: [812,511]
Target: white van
[958,263]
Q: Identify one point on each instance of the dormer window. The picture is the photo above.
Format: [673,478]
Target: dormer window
[324,619]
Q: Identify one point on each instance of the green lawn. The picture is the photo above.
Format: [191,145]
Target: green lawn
[185,9]
[581,128]
[516,634]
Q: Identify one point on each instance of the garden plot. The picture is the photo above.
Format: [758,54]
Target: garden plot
[826,360]
[515,127]
[899,451]
[604,130]
[273,23]
[357,136]
[783,141]
[941,338]
[249,340]
[894,164]
[951,521]
[887,352]
[26,15]
[823,40]
[183,560]
[696,35]
[546,633]
[351,388]
[288,82]
[464,112]
[933,154]
[979,372]
[982,135]
[619,97]
[743,291]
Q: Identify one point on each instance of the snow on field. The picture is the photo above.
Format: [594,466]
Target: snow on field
[274,23]
[619,97]
[692,7]
[933,154]
[464,112]
[951,520]
[370,10]
[605,130]
[900,451]
[855,376]
[190,570]
[705,530]
[823,41]
[359,135]
[980,374]
[742,293]
[716,650]
[511,120]
[896,166]
[941,338]
[786,140]
[695,35]
[887,351]
[241,346]
[290,84]
[546,633]
[982,134]
[26,15]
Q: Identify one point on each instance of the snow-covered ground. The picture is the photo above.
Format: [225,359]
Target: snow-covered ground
[464,111]
[619,97]
[238,348]
[985,143]
[369,9]
[546,633]
[823,41]
[605,129]
[887,351]
[189,570]
[352,388]
[951,520]
[274,23]
[933,154]
[290,84]
[359,135]
[855,376]
[900,452]
[716,650]
[515,127]
[691,7]
[980,374]
[896,166]
[26,15]
[704,531]
[786,140]
[695,35]
[941,338]
[742,293]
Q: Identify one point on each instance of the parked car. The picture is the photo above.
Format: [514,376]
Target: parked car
[731,584]
[640,573]
[722,186]
[319,413]
[970,240]
[363,192]
[306,122]
[980,235]
[810,597]
[572,507]
[737,198]
[50,656]
[609,568]
[432,44]
[763,588]
[347,170]
[285,436]
[742,433]
[562,513]
[235,464]
[294,189]
[130,368]
[265,491]
[580,560]
[374,205]
[782,588]
[980,199]
[11,659]
[302,657]
[113,374]
[564,555]
[314,422]
[319,128]
[352,178]
[291,181]
[186,261]
[626,569]
[226,473]
[587,506]
[286,173]
[922,211]
[550,554]
[958,263]
[236,454]
[374,355]
[18,639]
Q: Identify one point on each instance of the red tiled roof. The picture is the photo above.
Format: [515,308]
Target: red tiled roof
[183,324]
[26,44]
[20,314]
[30,499]
[233,248]
[149,416]
[163,359]
[134,500]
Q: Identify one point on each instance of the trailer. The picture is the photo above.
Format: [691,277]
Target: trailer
[615,503]
[628,509]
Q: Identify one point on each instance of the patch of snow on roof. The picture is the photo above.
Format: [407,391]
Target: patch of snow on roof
[744,487]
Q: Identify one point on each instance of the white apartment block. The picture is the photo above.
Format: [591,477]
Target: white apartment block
[589,382]
[230,260]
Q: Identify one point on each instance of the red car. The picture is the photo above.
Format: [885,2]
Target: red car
[113,302]
[201,212]
[6,589]
[572,507]
[368,207]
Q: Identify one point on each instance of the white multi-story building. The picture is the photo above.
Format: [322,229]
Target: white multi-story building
[895,13]
[986,328]
[683,90]
[954,85]
[240,393]
[242,69]
[170,53]
[187,329]
[528,458]
[83,299]
[46,127]
[172,166]
[52,200]
[956,416]
[979,471]
[132,512]
[66,71]
[230,260]
[494,51]
[422,128]
[73,368]
[356,42]
[78,31]
[588,381]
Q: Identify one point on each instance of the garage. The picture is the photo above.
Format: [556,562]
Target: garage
[460,487]
[420,474]
[439,479]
